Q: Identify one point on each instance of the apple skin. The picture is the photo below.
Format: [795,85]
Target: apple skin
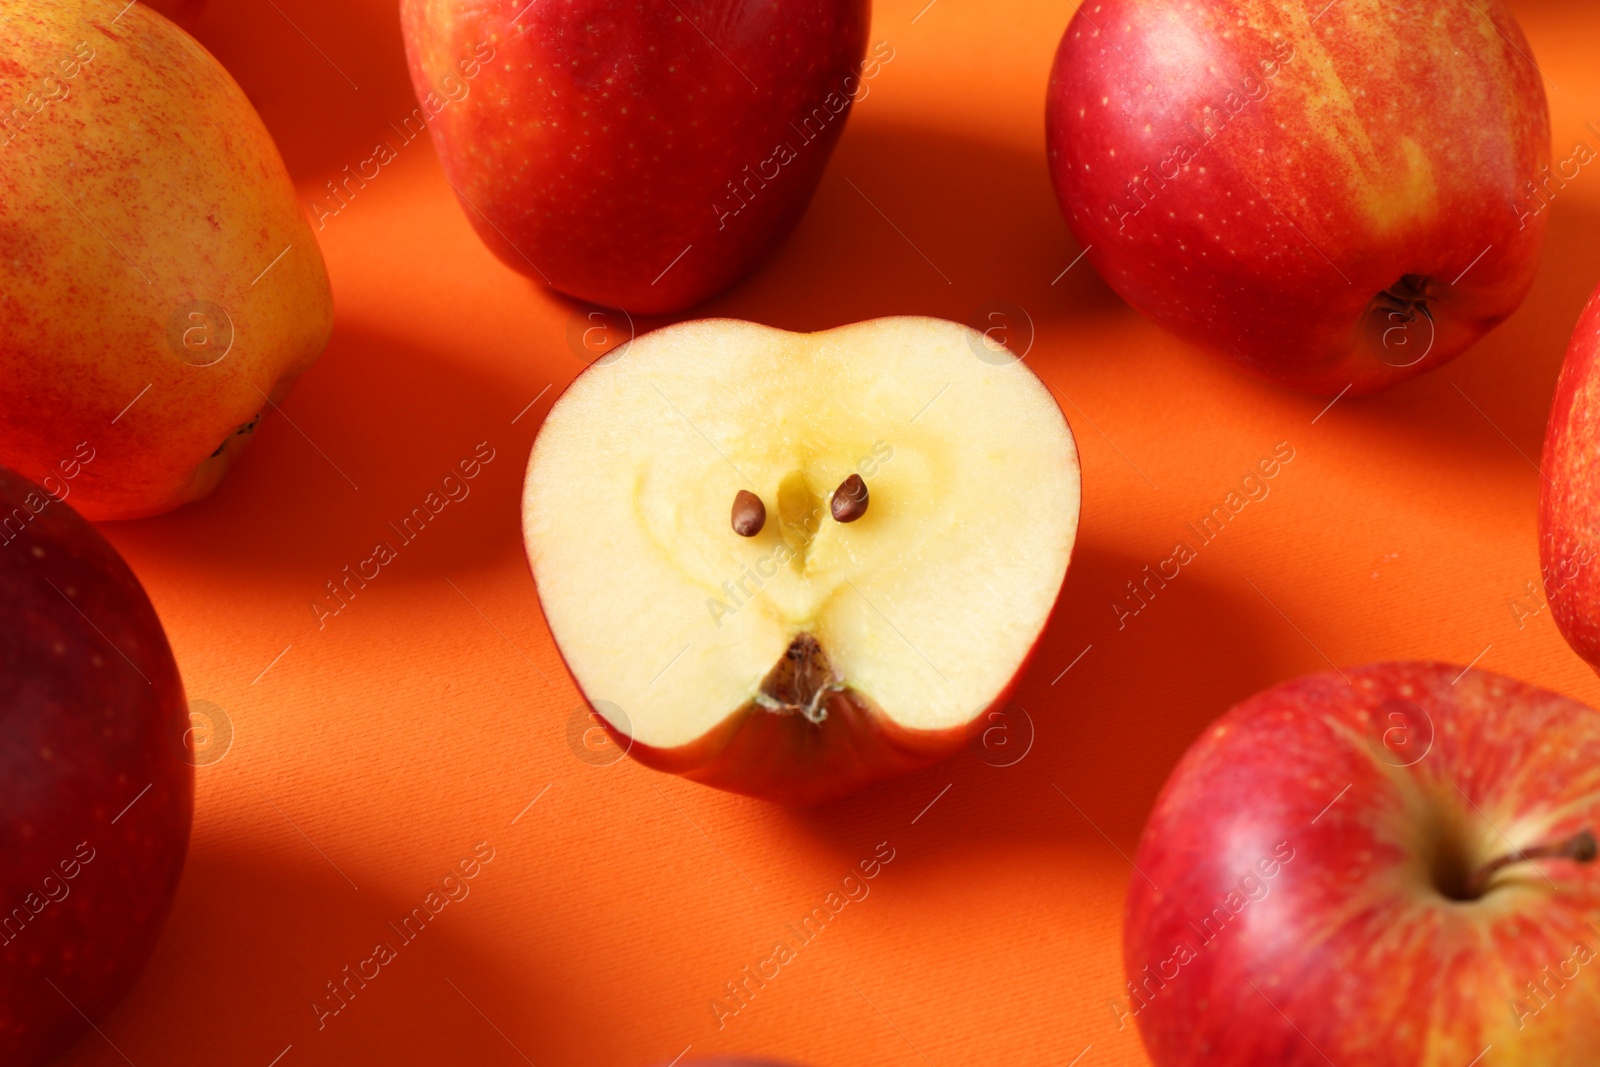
[92,712]
[789,760]
[1569,494]
[185,13]
[1296,170]
[148,193]
[604,139]
[1368,789]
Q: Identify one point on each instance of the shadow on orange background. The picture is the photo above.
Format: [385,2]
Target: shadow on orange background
[431,712]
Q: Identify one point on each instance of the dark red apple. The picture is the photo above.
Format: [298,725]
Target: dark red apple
[1389,867]
[96,791]
[1569,496]
[1331,195]
[639,155]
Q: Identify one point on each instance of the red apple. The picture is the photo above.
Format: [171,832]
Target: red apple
[1334,196]
[96,788]
[788,564]
[643,156]
[1569,496]
[1389,867]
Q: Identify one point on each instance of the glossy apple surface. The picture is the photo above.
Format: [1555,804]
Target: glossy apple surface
[789,565]
[1569,493]
[185,13]
[95,790]
[1330,202]
[159,282]
[1323,879]
[640,155]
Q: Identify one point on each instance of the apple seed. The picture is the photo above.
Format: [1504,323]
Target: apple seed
[749,513]
[849,500]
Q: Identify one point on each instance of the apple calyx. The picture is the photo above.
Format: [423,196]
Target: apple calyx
[243,428]
[800,681]
[1394,309]
[1581,847]
[1406,296]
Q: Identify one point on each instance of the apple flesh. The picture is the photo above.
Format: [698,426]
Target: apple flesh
[1569,496]
[159,282]
[1394,870]
[642,156]
[808,656]
[1305,197]
[96,791]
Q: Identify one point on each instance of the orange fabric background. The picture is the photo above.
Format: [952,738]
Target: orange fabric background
[374,753]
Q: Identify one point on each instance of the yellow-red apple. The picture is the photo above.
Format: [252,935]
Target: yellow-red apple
[159,282]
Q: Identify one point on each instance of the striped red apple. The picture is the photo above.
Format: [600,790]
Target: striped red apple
[1333,196]
[1392,866]
[1569,493]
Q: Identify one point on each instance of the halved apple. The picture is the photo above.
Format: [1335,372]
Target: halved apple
[792,564]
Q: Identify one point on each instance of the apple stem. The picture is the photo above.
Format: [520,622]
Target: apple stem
[1581,847]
